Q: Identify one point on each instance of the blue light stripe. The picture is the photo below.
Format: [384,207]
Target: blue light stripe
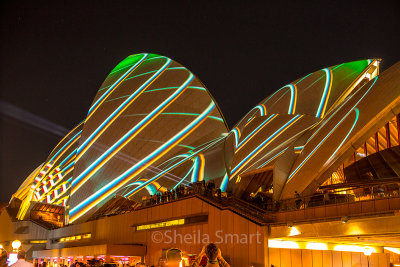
[153,71]
[176,113]
[151,191]
[303,78]
[332,130]
[274,157]
[324,99]
[148,59]
[108,92]
[73,153]
[158,89]
[224,183]
[263,143]
[292,99]
[66,145]
[111,186]
[184,178]
[117,70]
[174,166]
[134,130]
[261,109]
[236,133]
[195,170]
[68,167]
[336,111]
[347,135]
[255,130]
[125,103]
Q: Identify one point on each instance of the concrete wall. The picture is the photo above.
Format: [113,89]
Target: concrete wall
[119,230]
[281,257]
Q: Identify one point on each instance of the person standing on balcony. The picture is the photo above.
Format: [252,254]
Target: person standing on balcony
[326,197]
[298,200]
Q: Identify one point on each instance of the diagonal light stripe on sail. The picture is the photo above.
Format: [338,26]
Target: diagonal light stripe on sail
[333,129]
[107,155]
[255,131]
[110,119]
[174,166]
[325,95]
[67,135]
[66,146]
[121,180]
[198,171]
[264,144]
[114,86]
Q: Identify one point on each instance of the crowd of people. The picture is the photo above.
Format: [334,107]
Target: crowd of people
[209,256]
[201,187]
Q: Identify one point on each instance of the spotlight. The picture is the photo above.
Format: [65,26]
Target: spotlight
[16,244]
[368,251]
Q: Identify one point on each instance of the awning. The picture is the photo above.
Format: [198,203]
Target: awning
[104,249]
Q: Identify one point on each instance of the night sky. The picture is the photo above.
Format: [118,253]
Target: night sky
[54,56]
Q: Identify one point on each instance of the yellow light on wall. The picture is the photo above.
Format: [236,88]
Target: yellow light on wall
[352,248]
[38,241]
[394,250]
[75,237]
[317,246]
[293,231]
[16,244]
[1,246]
[160,224]
[282,244]
[368,251]
[87,236]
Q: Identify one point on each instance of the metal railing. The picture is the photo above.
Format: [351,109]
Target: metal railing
[336,197]
[264,211]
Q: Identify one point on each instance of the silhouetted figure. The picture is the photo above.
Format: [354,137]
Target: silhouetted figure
[326,197]
[219,193]
[214,256]
[174,257]
[298,200]
[21,260]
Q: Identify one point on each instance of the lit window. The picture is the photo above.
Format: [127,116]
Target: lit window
[160,224]
[87,235]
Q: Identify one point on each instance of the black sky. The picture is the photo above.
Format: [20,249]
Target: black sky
[55,54]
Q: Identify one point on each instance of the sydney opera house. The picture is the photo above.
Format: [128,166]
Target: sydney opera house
[308,177]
